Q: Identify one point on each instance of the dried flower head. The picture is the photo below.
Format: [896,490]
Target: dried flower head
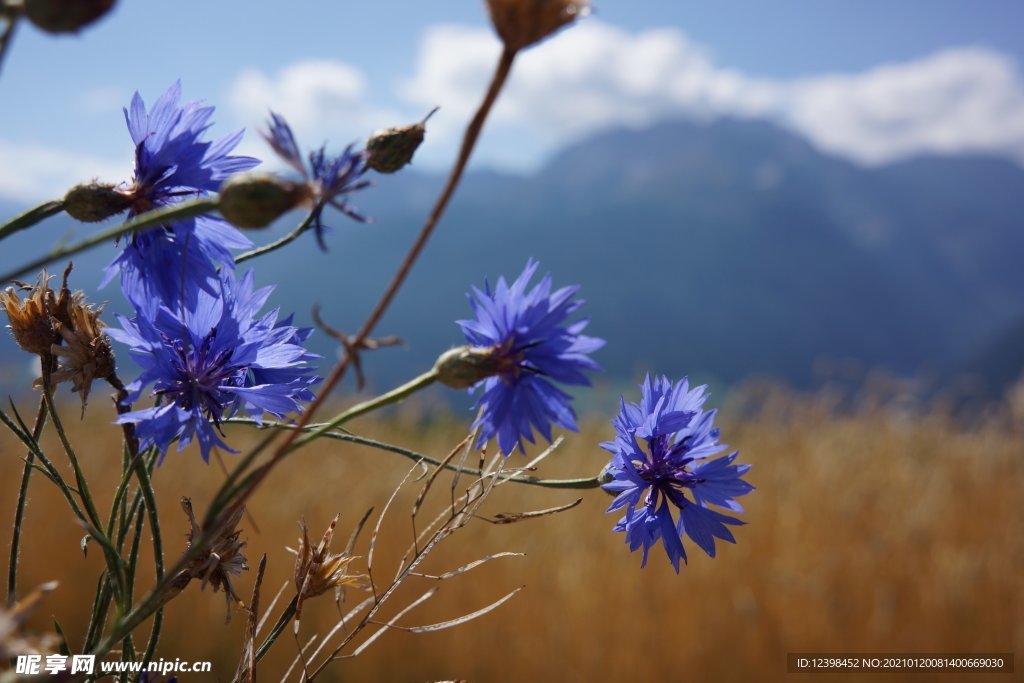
[65,16]
[318,570]
[86,354]
[12,641]
[521,23]
[29,318]
[221,559]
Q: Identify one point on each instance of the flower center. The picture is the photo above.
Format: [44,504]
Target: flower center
[200,374]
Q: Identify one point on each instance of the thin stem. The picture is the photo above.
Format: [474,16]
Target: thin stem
[12,16]
[582,483]
[80,481]
[158,595]
[469,139]
[149,219]
[273,246]
[114,562]
[34,215]
[146,486]
[394,396]
[19,512]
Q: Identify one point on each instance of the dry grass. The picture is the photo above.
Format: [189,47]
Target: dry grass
[878,532]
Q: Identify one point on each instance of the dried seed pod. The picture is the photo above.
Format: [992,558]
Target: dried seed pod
[65,16]
[521,23]
[220,560]
[29,318]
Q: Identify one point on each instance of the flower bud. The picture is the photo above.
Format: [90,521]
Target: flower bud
[93,202]
[65,16]
[464,366]
[521,23]
[390,149]
[252,200]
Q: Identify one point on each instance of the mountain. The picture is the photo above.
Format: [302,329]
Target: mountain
[719,250]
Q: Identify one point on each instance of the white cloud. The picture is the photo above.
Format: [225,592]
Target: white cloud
[31,172]
[594,76]
[323,101]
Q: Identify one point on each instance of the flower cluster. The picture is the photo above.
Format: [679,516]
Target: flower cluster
[530,347]
[209,360]
[663,449]
[173,161]
[197,333]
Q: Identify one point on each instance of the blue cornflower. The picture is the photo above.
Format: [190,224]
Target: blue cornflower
[173,162]
[661,450]
[210,359]
[330,178]
[531,348]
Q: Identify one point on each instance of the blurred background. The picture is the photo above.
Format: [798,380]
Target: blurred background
[815,207]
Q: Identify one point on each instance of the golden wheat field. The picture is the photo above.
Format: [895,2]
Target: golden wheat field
[872,530]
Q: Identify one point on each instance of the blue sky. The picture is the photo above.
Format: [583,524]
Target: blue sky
[871,80]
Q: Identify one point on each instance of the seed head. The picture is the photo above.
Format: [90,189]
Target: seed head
[521,23]
[86,354]
[318,570]
[65,16]
[220,560]
[30,318]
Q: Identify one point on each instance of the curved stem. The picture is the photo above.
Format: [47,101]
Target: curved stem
[19,512]
[582,483]
[273,246]
[34,215]
[149,219]
[156,597]
[472,133]
[394,396]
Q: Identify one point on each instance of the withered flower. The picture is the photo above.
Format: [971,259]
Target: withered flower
[318,570]
[29,318]
[521,23]
[220,560]
[86,354]
[12,641]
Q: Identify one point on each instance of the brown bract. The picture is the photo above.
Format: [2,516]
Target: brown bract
[29,318]
[86,354]
[318,570]
[521,23]
[12,641]
[221,558]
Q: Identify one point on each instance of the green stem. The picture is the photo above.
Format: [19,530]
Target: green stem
[273,246]
[114,562]
[19,512]
[233,486]
[49,468]
[146,486]
[582,483]
[31,217]
[394,396]
[149,219]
